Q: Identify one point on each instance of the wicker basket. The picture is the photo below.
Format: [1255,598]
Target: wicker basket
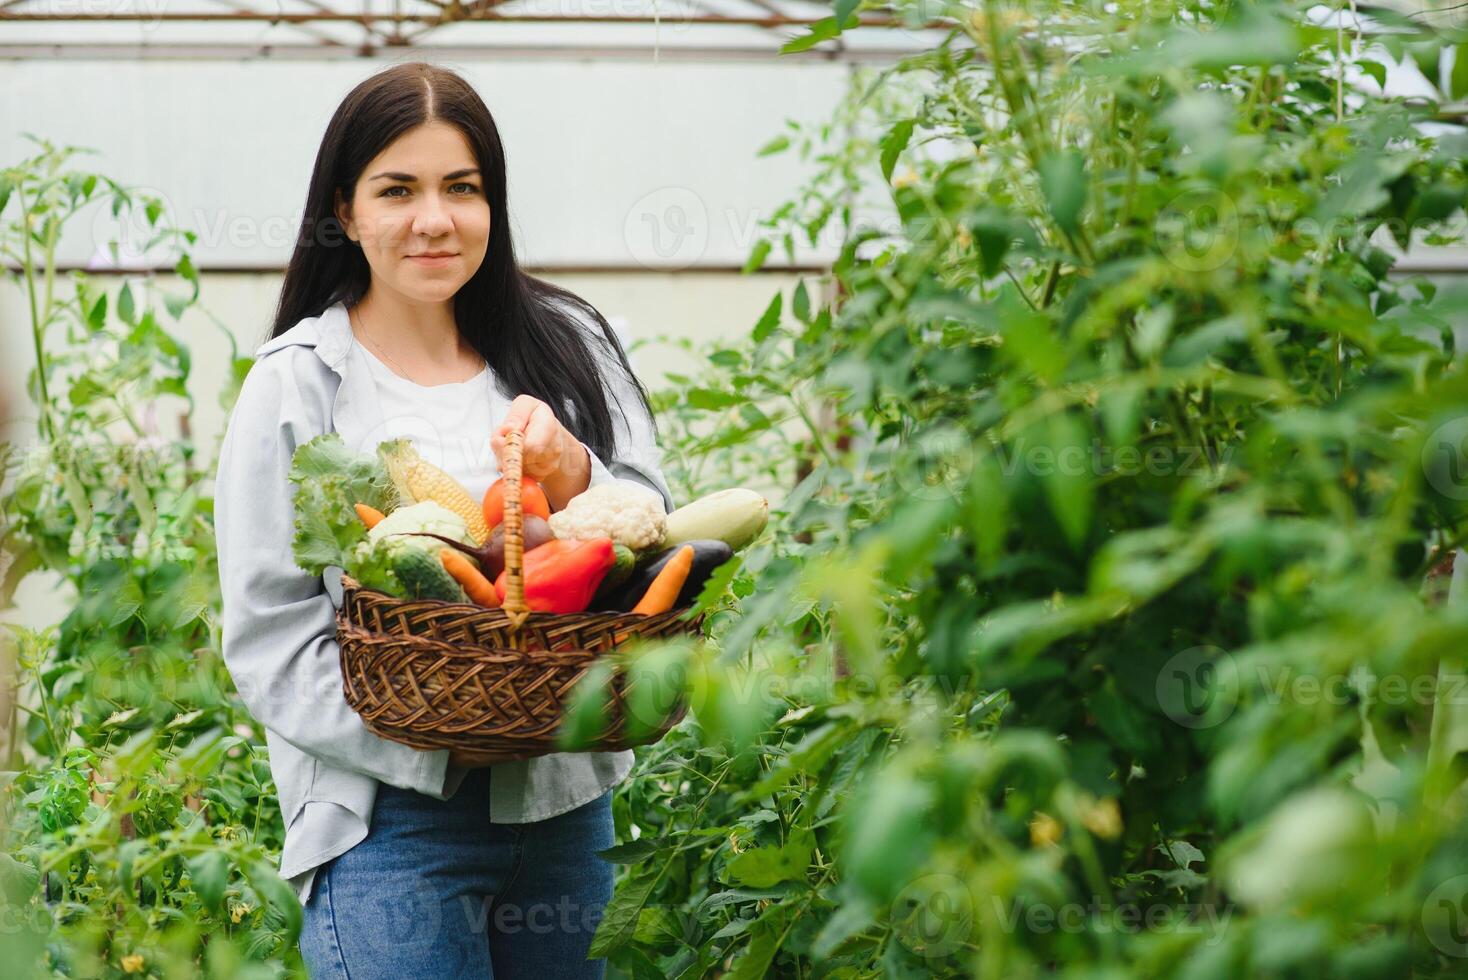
[434,674]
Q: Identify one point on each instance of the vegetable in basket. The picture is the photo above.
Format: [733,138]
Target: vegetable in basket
[370,516]
[426,516]
[399,557]
[533,501]
[472,580]
[330,481]
[708,555]
[663,592]
[735,516]
[490,556]
[562,575]
[417,480]
[406,571]
[628,514]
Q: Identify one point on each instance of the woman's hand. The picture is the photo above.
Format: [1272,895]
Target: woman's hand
[550,453]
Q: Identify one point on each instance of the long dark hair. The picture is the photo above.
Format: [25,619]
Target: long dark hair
[522,326]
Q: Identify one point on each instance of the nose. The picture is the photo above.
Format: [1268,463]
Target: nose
[432,219]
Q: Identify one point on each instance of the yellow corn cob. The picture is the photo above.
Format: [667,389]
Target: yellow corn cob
[417,480]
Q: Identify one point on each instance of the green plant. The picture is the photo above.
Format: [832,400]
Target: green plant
[140,825]
[1126,475]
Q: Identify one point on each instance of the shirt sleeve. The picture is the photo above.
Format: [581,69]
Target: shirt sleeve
[638,458]
[278,621]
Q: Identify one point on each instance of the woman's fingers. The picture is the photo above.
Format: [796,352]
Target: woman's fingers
[542,443]
[543,440]
[515,420]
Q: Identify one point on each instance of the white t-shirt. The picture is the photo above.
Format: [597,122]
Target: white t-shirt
[449,424]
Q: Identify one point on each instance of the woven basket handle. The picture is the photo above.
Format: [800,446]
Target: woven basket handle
[514,604]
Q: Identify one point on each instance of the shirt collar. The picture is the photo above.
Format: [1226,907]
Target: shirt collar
[329,335]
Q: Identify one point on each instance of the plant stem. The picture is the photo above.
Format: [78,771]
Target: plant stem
[47,428]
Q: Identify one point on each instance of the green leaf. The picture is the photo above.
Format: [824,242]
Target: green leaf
[209,873]
[619,921]
[330,480]
[1067,477]
[887,834]
[97,315]
[1029,339]
[763,867]
[283,900]
[18,881]
[1458,80]
[656,680]
[176,305]
[852,915]
[893,143]
[994,232]
[126,311]
[770,319]
[821,30]
[1374,69]
[588,710]
[776,145]
[845,8]
[1063,182]
[709,400]
[757,256]
[635,851]
[800,303]
[1428,57]
[754,963]
[1154,326]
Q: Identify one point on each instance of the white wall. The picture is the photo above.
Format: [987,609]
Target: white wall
[603,157]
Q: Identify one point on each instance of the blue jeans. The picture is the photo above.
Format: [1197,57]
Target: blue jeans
[437,891]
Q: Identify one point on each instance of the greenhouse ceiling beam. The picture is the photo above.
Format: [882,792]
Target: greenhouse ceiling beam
[440,19]
[453,12]
[309,52]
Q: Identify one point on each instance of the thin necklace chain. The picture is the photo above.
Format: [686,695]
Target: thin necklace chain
[363,326]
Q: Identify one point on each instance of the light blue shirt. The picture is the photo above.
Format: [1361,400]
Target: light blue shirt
[279,622]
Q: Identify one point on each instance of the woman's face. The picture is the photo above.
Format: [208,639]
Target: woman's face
[422,195]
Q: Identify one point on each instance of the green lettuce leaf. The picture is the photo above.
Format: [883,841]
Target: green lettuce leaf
[330,480]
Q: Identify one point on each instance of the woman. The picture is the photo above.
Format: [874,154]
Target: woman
[403,312]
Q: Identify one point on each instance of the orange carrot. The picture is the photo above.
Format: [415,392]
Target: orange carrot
[370,515]
[472,579]
[663,591]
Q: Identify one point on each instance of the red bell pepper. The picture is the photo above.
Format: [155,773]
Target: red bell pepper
[562,575]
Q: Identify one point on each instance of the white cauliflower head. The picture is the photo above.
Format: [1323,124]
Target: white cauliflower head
[628,514]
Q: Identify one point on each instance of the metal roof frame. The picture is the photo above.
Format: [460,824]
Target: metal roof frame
[332,29]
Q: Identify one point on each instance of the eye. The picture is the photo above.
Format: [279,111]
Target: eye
[472,188]
[395,187]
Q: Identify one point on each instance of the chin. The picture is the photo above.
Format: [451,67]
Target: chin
[427,289]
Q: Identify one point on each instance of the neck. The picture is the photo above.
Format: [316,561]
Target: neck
[421,334]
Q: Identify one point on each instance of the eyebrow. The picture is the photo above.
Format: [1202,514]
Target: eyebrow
[410,179]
